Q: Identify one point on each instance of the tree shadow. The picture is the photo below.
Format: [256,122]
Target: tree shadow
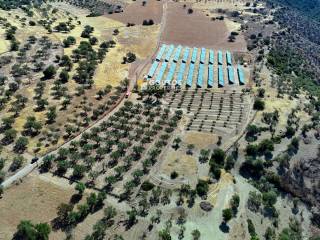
[269,212]
[247,172]
[128,225]
[268,156]
[150,227]
[57,225]
[224,227]
[75,198]
[295,211]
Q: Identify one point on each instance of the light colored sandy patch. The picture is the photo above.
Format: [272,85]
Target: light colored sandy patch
[143,51]
[36,31]
[229,5]
[76,33]
[184,165]
[200,139]
[35,200]
[58,181]
[11,18]
[208,222]
[231,25]
[72,85]
[225,180]
[303,116]
[102,24]
[71,9]
[4,44]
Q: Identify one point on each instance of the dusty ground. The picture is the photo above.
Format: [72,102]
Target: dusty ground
[185,165]
[201,140]
[136,13]
[33,199]
[205,33]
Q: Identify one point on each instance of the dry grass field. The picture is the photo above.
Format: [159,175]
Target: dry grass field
[33,199]
[114,71]
[103,30]
[201,140]
[185,165]
[229,5]
[128,40]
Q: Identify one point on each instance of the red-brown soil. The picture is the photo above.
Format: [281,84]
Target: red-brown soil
[197,29]
[136,13]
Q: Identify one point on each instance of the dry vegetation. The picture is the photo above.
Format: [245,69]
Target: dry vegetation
[33,199]
[161,164]
[72,102]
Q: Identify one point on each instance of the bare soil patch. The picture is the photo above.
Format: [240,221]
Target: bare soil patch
[136,13]
[34,200]
[200,139]
[178,161]
[197,29]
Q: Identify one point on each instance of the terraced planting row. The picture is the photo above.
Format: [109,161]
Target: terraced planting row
[210,110]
